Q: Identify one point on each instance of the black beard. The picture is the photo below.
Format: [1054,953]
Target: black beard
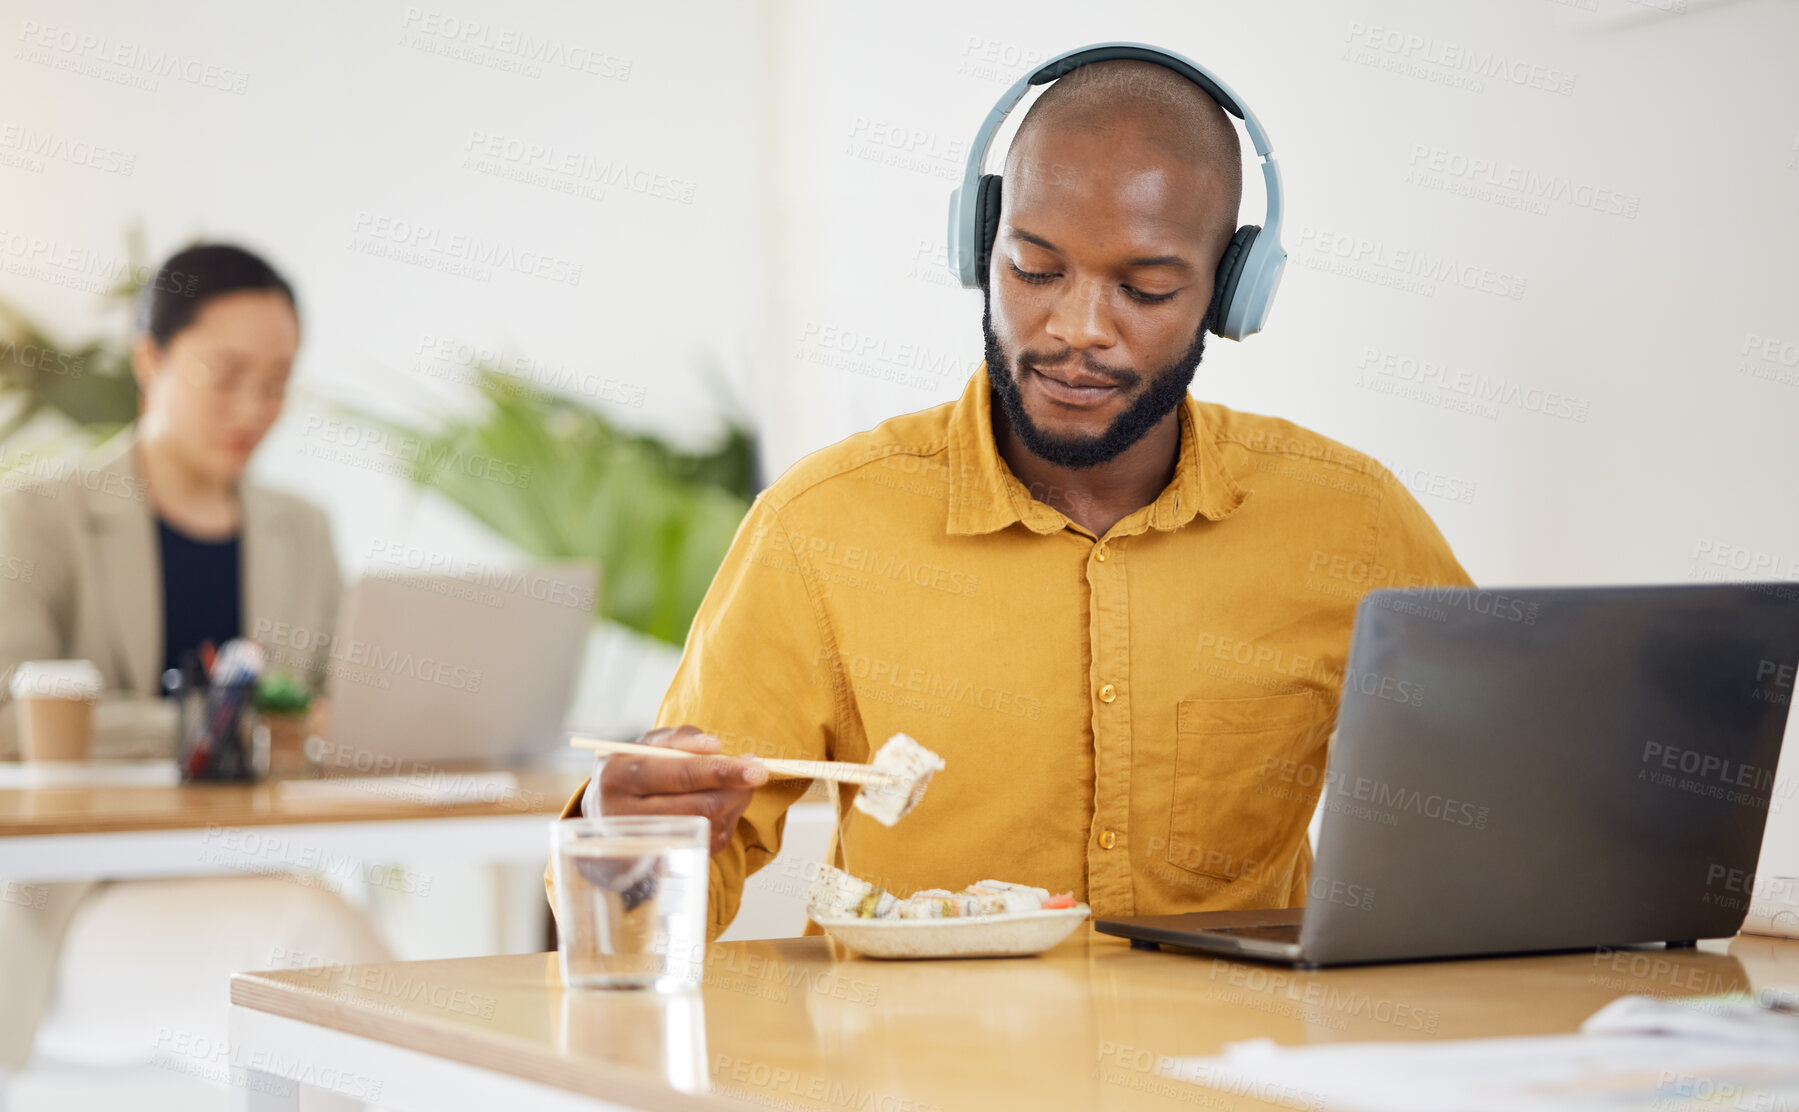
[1167,389]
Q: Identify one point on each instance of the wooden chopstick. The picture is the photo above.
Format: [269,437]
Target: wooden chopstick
[779,768]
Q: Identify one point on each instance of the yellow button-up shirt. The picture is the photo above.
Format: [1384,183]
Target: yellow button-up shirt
[1140,718]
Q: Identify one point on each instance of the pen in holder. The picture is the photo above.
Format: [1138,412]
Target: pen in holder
[218,731]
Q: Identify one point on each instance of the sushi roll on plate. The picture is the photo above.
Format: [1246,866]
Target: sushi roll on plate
[988,919]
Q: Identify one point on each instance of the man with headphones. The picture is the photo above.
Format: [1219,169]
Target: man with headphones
[1120,615]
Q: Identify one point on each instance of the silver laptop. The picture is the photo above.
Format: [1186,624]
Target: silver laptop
[1589,767]
[444,668]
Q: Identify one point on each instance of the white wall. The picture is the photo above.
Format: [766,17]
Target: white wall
[805,220]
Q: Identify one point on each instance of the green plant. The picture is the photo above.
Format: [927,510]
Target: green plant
[89,386]
[570,485]
[280,693]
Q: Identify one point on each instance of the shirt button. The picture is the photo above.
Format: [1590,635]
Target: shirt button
[1100,555]
[1108,693]
[1108,839]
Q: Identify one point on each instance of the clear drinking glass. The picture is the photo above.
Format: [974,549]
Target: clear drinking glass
[631,900]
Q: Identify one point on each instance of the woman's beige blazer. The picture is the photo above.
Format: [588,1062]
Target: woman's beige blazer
[81,577]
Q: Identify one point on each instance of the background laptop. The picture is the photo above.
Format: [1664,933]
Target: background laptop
[444,668]
[1589,767]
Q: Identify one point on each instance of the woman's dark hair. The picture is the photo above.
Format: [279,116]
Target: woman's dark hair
[183,285]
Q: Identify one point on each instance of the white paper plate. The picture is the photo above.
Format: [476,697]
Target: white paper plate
[978,936]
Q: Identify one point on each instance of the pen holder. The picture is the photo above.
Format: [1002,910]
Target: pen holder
[218,734]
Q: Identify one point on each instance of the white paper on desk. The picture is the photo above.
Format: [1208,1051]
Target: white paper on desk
[446,789]
[89,774]
[1568,1073]
[1771,1015]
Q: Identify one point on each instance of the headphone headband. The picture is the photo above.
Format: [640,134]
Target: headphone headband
[1255,256]
[1064,64]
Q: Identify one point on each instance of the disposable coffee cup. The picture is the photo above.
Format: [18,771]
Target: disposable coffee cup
[55,700]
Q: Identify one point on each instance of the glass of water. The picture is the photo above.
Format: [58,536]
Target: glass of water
[631,900]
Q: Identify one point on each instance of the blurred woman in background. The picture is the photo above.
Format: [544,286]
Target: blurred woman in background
[156,544]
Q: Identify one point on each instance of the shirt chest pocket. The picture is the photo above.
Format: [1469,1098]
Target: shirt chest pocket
[1247,774]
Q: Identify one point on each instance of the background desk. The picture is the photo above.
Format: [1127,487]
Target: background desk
[797,1023]
[368,843]
[83,832]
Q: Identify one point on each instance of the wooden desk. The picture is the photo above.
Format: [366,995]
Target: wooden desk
[801,1024]
[85,832]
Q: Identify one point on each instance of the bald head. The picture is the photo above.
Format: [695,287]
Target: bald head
[1140,113]
[1121,194]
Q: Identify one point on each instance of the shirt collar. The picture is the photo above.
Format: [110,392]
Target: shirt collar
[985,496]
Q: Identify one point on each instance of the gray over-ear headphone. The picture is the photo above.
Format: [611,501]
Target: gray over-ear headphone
[1250,271]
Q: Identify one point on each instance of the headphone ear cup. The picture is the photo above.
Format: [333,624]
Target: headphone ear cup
[986,224]
[1230,271]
